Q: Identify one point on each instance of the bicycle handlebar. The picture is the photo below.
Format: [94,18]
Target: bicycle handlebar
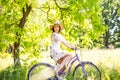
[77,49]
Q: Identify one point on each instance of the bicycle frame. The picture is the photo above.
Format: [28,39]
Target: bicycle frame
[71,62]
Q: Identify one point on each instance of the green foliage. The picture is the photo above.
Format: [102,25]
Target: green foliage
[13,74]
[115,73]
[9,19]
[111,16]
[36,33]
[118,11]
[86,18]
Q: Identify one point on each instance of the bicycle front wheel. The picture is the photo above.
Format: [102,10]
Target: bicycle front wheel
[86,71]
[41,71]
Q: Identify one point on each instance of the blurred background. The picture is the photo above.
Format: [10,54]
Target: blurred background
[25,35]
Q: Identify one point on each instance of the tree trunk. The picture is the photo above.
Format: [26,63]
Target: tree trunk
[106,40]
[18,36]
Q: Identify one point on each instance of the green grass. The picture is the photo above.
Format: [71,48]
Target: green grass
[108,61]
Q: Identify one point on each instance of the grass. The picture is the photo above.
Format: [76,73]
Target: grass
[106,58]
[107,61]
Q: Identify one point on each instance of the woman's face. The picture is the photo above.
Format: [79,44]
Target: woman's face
[56,28]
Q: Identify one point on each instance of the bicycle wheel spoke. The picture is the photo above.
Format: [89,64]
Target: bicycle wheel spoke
[89,72]
[78,74]
[92,72]
[41,72]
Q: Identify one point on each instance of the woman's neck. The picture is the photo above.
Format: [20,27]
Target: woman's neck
[57,32]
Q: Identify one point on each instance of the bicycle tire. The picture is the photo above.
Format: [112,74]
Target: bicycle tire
[41,71]
[86,71]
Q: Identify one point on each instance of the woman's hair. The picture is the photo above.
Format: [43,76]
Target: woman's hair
[59,28]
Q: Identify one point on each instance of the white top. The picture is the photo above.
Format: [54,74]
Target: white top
[55,49]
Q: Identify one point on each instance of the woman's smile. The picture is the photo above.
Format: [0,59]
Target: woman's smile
[56,28]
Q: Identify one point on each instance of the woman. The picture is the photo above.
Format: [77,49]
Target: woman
[59,56]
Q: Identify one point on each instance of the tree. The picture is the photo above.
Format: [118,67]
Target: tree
[111,16]
[18,35]
[25,8]
[31,34]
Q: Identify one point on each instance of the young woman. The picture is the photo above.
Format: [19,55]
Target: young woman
[59,56]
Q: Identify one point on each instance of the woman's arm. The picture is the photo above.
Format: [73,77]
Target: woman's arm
[64,41]
[68,45]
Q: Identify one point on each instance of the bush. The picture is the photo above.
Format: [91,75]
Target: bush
[13,74]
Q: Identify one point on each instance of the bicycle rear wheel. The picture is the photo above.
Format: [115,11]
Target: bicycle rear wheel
[41,71]
[86,71]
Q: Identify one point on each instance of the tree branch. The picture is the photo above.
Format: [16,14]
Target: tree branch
[48,12]
[57,4]
[25,14]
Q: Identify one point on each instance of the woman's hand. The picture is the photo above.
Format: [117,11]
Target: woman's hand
[73,47]
[51,56]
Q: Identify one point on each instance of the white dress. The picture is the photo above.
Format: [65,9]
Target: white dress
[55,49]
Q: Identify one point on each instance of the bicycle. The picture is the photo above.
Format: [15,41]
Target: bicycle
[84,70]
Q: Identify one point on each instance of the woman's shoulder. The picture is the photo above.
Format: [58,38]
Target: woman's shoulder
[53,33]
[56,34]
